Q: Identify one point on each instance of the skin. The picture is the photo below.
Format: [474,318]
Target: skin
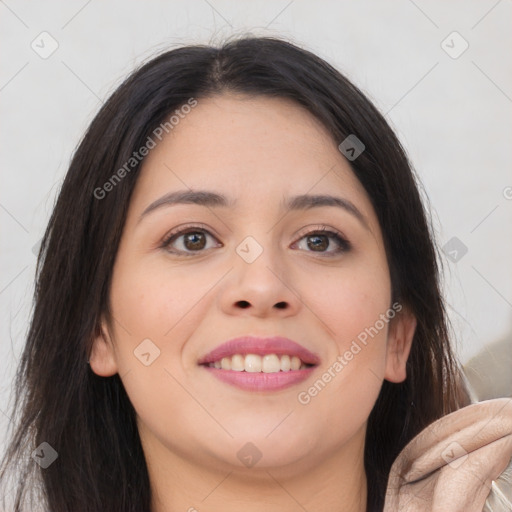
[256,150]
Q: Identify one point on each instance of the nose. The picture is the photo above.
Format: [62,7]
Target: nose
[261,288]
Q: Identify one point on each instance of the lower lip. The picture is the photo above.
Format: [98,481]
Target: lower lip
[260,381]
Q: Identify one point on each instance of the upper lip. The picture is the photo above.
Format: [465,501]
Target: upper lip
[278,345]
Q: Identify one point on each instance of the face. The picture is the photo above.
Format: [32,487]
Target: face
[189,276]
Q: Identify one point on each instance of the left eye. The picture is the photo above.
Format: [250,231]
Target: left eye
[319,241]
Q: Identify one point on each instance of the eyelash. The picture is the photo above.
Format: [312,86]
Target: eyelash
[344,245]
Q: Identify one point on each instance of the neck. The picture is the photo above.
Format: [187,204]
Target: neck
[336,482]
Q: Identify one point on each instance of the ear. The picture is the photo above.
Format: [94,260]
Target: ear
[400,335]
[102,358]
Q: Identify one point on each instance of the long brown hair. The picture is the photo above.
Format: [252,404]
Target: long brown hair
[89,420]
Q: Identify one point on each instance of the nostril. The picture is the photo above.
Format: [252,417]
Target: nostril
[244,304]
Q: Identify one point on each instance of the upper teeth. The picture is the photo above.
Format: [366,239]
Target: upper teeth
[270,363]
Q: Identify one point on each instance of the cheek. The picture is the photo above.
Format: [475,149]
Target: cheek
[154,300]
[351,307]
[349,382]
[161,303]
[156,303]
[351,301]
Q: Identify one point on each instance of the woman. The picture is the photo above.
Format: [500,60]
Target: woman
[240,252]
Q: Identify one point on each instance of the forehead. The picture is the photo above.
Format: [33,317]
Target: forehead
[251,129]
[250,148]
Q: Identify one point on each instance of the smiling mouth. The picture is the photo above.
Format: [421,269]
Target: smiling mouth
[254,363]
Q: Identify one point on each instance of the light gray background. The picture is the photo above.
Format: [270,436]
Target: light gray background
[452,115]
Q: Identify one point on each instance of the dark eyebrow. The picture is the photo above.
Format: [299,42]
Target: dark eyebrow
[214,199]
[200,197]
[305,202]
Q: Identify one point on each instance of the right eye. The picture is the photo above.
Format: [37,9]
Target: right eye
[187,241]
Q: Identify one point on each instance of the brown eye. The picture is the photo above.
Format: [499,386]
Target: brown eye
[318,242]
[328,243]
[194,241]
[187,241]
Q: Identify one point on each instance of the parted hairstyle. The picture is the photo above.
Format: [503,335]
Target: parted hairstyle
[88,419]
